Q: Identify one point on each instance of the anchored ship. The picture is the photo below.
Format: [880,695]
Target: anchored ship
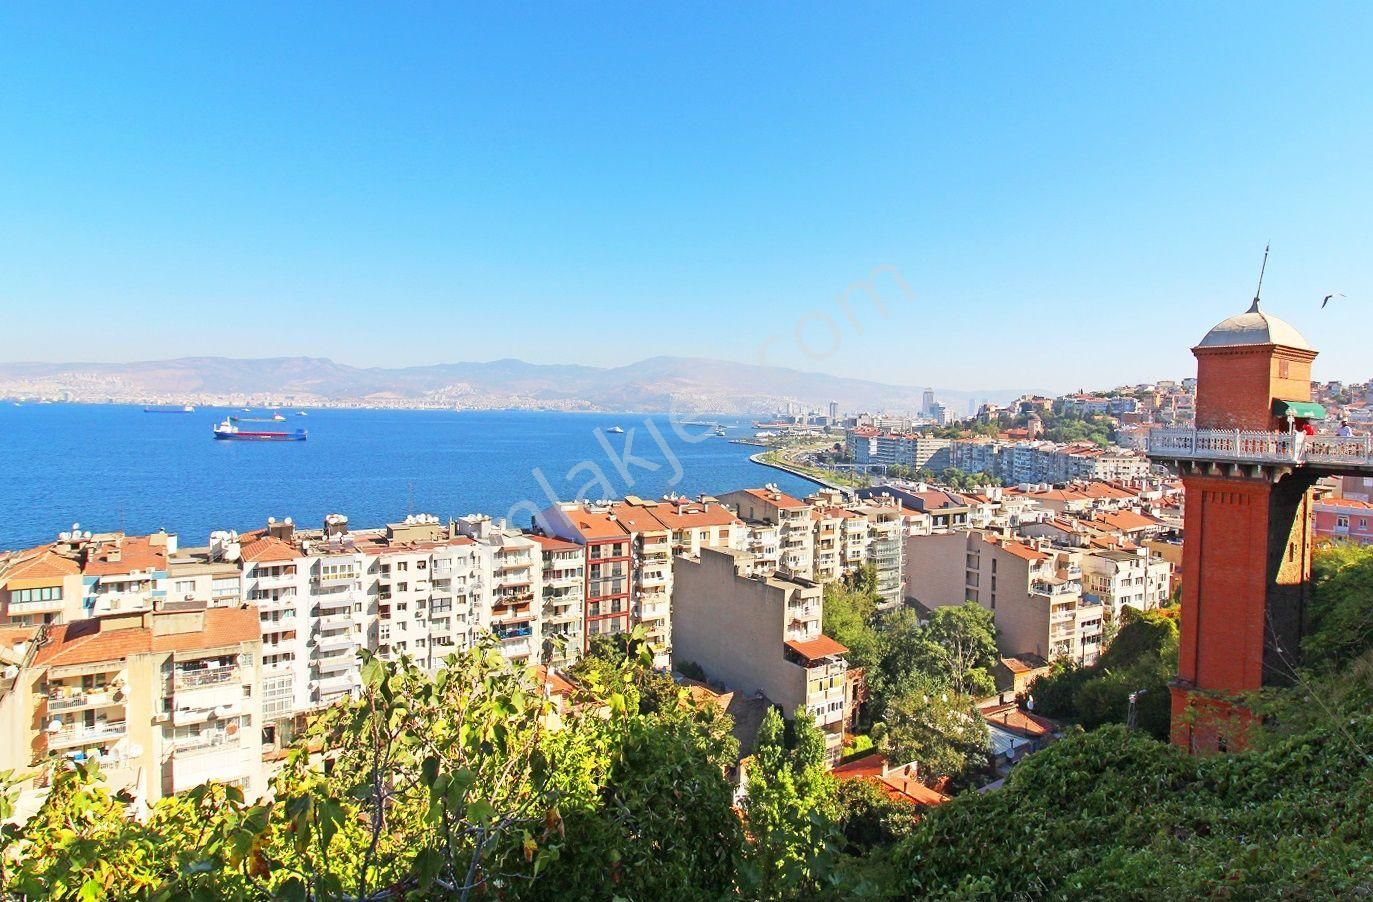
[229,432]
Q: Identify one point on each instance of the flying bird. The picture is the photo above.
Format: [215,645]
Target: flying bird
[1333,294]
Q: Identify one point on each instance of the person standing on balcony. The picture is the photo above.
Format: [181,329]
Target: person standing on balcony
[1344,430]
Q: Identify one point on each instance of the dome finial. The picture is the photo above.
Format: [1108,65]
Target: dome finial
[1254,307]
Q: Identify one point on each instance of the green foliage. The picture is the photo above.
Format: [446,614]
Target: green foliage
[1116,814]
[467,782]
[1142,658]
[849,614]
[1341,609]
[937,728]
[790,812]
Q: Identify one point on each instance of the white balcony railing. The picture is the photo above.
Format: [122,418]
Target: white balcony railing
[1244,446]
[71,737]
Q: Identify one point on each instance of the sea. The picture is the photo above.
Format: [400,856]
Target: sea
[113,467]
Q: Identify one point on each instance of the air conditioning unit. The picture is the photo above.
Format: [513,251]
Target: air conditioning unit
[161,717]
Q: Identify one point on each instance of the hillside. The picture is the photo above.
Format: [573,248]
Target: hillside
[658,383]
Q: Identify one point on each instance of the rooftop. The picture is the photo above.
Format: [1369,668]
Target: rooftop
[1253,327]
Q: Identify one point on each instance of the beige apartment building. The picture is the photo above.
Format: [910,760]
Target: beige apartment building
[761,634]
[165,699]
[791,516]
[1034,592]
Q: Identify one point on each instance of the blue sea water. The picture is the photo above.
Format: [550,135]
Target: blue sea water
[112,467]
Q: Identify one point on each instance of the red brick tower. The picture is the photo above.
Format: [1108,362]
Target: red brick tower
[1247,538]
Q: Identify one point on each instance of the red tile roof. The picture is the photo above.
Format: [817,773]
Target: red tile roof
[549,543]
[821,646]
[39,563]
[776,499]
[135,553]
[84,642]
[269,549]
[897,784]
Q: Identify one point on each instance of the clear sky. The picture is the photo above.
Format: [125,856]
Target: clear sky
[1073,193]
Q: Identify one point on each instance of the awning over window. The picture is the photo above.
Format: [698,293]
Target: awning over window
[1307,410]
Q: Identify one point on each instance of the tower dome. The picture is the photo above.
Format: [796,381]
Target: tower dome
[1254,327]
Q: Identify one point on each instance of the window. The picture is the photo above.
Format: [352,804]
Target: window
[46,593]
[1341,522]
[184,587]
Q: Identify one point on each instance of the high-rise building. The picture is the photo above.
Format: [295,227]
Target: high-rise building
[927,407]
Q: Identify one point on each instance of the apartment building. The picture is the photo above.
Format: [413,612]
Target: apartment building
[166,699]
[1344,520]
[651,543]
[761,634]
[38,586]
[504,587]
[704,523]
[564,597]
[1034,592]
[1356,488]
[866,445]
[609,587]
[791,516]
[1043,461]
[1121,579]
[886,547]
[829,542]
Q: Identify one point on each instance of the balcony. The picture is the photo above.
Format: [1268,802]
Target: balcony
[335,601]
[1253,447]
[80,700]
[336,663]
[337,643]
[46,606]
[279,625]
[75,737]
[336,622]
[335,685]
[205,742]
[193,715]
[275,581]
[211,676]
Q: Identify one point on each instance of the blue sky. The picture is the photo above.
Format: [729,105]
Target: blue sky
[1073,193]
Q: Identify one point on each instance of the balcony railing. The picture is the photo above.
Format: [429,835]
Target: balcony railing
[190,679]
[1244,446]
[80,700]
[69,737]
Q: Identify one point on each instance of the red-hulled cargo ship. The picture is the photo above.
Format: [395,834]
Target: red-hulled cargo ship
[228,432]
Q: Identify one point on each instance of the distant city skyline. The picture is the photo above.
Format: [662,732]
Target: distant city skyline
[1058,198]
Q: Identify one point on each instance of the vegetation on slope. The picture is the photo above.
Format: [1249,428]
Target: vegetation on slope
[472,783]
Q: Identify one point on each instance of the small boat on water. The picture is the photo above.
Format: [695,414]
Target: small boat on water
[616,430]
[169,408]
[301,413]
[719,430]
[228,431]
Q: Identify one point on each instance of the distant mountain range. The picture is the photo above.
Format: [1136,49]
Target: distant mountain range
[658,383]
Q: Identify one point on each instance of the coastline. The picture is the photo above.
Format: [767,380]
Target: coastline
[799,473]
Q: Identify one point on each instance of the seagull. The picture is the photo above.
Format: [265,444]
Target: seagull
[1333,294]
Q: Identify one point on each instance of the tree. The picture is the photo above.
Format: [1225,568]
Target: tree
[938,729]
[966,634]
[848,619]
[1341,613]
[790,811]
[1141,660]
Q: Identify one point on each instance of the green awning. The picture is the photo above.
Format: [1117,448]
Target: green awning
[1306,410]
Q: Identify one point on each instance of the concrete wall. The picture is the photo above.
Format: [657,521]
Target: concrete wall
[734,627]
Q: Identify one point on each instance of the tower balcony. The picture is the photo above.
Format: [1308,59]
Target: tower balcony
[1191,448]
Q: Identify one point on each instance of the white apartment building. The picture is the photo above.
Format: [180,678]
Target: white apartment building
[1120,579]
